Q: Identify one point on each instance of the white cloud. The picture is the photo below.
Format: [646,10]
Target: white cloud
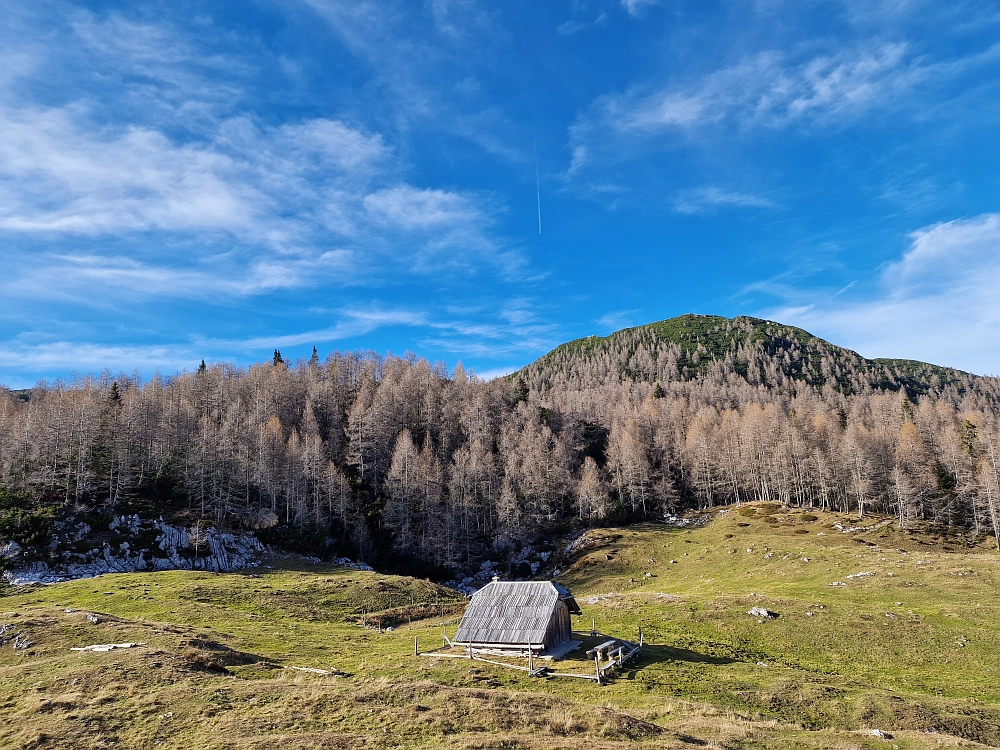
[635,7]
[706,199]
[615,321]
[938,303]
[87,357]
[770,89]
[213,202]
[409,208]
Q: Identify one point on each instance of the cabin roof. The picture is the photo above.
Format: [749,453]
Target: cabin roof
[512,612]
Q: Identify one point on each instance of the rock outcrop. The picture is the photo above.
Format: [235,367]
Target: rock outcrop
[175,548]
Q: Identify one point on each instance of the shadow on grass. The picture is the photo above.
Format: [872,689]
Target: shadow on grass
[652,654]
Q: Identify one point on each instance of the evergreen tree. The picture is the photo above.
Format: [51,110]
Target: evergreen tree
[520,390]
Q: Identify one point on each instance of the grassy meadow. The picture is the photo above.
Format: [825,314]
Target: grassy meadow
[912,650]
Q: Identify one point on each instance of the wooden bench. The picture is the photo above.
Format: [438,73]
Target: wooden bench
[602,649]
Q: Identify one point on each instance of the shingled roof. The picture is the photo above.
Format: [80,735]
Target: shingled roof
[512,612]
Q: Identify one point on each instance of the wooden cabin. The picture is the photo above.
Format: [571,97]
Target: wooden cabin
[518,616]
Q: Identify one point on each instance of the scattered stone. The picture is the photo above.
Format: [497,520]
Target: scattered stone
[864,574]
[600,598]
[92,619]
[762,612]
[17,639]
[105,646]
[810,614]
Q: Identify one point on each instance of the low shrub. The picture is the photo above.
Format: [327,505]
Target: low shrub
[28,527]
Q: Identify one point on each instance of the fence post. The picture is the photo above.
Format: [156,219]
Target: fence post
[416,646]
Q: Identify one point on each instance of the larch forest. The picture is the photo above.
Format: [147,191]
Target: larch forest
[399,461]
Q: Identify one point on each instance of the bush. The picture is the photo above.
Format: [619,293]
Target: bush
[28,527]
[307,539]
[808,517]
[746,512]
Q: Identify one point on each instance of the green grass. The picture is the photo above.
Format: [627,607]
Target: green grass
[210,673]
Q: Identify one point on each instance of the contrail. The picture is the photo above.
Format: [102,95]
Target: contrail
[785,221]
[538,188]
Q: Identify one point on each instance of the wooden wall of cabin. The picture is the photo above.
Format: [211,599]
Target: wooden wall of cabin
[560,627]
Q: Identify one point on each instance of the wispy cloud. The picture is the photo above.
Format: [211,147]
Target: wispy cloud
[245,207]
[88,357]
[576,25]
[771,89]
[636,7]
[707,199]
[614,321]
[937,303]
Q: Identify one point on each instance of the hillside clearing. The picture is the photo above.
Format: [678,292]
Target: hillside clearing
[908,650]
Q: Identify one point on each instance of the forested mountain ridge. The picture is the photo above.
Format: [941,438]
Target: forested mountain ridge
[761,352]
[409,465]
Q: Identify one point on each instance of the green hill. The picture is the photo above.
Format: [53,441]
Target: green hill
[759,352]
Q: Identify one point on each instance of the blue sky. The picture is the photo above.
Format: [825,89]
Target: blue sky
[182,180]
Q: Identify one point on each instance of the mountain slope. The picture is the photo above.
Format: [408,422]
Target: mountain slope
[760,352]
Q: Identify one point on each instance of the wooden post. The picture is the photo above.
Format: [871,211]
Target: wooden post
[416,646]
[593,627]
[640,637]
[444,637]
[531,661]
[597,666]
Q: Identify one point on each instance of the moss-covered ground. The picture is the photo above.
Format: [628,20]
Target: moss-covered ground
[913,650]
